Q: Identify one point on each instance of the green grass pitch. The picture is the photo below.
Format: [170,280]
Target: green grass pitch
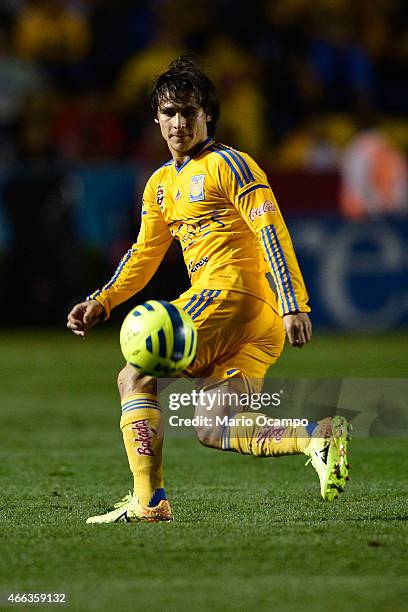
[249,534]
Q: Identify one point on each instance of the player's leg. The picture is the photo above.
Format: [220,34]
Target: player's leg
[324,442]
[239,338]
[142,428]
[242,338]
[231,425]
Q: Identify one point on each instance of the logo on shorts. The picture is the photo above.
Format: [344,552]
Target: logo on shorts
[267,206]
[192,267]
[160,196]
[197,188]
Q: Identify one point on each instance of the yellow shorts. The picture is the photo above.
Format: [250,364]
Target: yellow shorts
[238,334]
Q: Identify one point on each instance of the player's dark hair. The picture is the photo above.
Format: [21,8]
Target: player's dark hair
[182,81]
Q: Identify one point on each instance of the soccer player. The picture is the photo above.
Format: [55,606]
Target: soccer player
[218,204]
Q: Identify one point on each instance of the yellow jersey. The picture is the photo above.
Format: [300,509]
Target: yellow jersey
[219,206]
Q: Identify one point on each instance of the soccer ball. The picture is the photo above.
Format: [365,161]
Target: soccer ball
[158,338]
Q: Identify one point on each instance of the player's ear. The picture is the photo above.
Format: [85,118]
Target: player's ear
[156,120]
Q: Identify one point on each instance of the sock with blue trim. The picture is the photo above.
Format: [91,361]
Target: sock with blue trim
[142,429]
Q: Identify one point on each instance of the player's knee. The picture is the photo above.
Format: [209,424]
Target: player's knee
[209,436]
[130,381]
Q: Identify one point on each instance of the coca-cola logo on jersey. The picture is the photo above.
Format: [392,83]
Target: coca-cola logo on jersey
[267,206]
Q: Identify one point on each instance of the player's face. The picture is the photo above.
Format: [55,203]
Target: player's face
[183,125]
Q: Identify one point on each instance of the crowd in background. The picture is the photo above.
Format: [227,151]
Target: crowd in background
[295,77]
[315,88]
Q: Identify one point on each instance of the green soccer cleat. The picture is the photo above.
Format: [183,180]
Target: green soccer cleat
[130,511]
[328,455]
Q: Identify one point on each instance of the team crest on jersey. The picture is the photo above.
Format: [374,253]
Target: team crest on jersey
[197,188]
[178,194]
[160,195]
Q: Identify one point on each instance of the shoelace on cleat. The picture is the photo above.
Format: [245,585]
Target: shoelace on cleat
[323,454]
[124,501]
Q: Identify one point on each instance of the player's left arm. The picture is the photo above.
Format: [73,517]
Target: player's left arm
[298,328]
[257,205]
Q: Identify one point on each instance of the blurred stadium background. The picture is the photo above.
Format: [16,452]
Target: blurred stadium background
[316,92]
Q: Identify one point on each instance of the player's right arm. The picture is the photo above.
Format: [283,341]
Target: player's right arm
[83,316]
[134,271]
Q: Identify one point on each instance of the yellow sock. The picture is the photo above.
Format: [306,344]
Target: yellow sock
[245,436]
[141,425]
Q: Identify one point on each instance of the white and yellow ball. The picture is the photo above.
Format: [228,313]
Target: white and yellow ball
[158,338]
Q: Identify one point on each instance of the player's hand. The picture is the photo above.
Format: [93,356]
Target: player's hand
[298,328]
[83,316]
